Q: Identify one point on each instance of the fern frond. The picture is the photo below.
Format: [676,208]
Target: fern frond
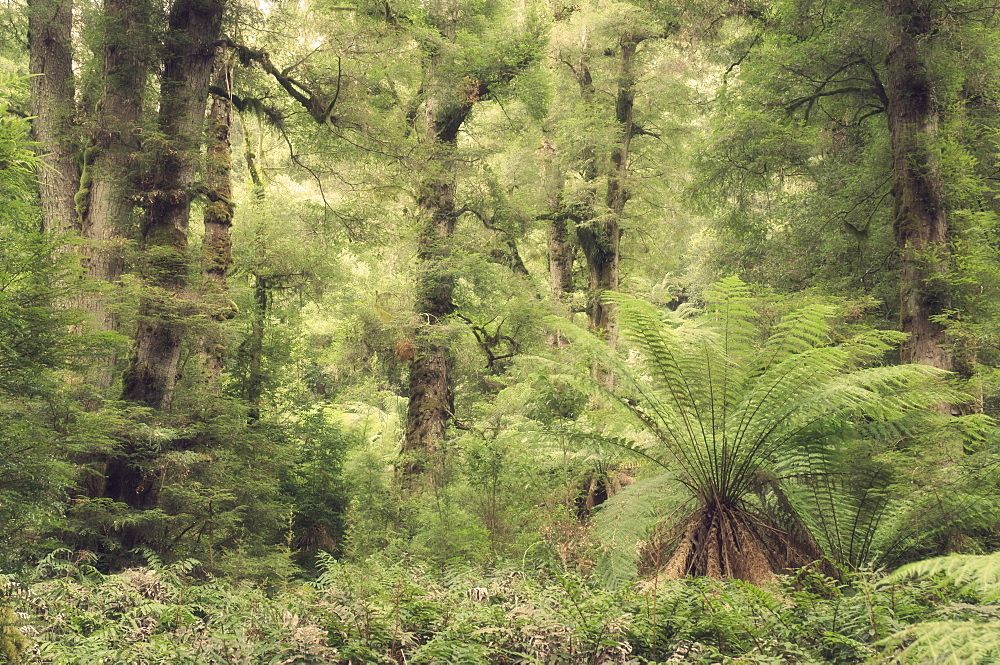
[754,425]
[952,642]
[624,522]
[803,329]
[978,573]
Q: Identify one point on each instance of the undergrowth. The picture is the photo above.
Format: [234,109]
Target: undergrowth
[403,611]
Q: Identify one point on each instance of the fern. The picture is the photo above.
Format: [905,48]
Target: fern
[624,520]
[973,573]
[747,421]
[955,642]
[952,641]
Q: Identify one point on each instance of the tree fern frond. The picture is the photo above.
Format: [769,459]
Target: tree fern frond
[624,522]
[803,329]
[605,444]
[972,572]
[947,642]
[730,308]
[919,515]
[844,510]
[755,426]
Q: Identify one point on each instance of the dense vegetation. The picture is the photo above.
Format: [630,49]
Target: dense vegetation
[472,331]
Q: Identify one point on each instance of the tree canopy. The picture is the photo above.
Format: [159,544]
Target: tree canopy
[590,303]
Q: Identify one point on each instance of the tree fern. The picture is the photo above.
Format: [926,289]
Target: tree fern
[973,573]
[738,415]
[951,641]
[623,527]
[948,642]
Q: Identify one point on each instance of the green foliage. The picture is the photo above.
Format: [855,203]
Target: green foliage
[12,641]
[797,168]
[160,614]
[736,412]
[391,608]
[41,424]
[314,485]
[754,412]
[963,632]
[974,574]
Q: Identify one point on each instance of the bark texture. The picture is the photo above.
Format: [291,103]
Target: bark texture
[105,199]
[559,244]
[601,238]
[191,40]
[50,46]
[217,245]
[254,348]
[920,219]
[597,237]
[431,402]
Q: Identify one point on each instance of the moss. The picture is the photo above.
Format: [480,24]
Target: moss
[219,159]
[166,262]
[166,237]
[12,642]
[82,197]
[220,212]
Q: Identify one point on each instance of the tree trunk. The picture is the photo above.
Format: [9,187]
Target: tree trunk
[920,219]
[50,47]
[430,404]
[217,248]
[218,244]
[105,201]
[254,387]
[193,30]
[430,389]
[600,235]
[560,248]
[601,240]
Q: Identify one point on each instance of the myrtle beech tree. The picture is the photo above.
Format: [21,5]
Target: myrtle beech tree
[860,116]
[90,141]
[193,30]
[452,91]
[463,54]
[50,43]
[217,243]
[920,218]
[598,45]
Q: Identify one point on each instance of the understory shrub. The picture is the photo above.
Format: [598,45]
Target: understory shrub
[401,610]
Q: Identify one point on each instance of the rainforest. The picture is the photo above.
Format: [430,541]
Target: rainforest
[499,331]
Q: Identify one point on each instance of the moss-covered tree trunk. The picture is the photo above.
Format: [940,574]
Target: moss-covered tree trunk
[253,387]
[50,46]
[217,245]
[559,241]
[920,219]
[190,45]
[600,238]
[191,41]
[105,201]
[430,386]
[91,192]
[597,234]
